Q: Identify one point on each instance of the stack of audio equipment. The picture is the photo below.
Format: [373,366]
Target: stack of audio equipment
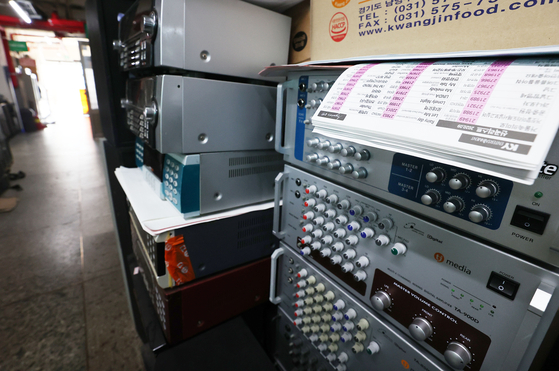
[204,122]
[386,264]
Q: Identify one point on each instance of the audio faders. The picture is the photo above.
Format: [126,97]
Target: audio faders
[471,306]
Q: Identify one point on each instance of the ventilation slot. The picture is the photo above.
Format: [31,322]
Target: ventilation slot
[251,222]
[234,173]
[250,160]
[263,228]
[254,240]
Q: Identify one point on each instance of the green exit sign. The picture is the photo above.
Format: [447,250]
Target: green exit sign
[18,46]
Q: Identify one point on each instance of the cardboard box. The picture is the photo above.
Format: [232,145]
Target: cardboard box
[352,28]
[299,42]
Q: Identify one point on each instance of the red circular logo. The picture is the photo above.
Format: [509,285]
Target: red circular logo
[338,27]
[439,257]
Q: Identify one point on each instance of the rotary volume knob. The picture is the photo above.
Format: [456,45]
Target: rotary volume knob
[479,213]
[381,300]
[459,181]
[487,188]
[362,155]
[420,329]
[348,152]
[453,204]
[431,197]
[457,355]
[435,175]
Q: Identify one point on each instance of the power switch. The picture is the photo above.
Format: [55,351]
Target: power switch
[503,285]
[531,220]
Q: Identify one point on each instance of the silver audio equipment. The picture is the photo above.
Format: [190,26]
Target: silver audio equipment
[210,182]
[514,216]
[316,331]
[213,36]
[180,114]
[470,305]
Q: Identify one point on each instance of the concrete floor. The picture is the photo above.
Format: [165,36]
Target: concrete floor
[62,302]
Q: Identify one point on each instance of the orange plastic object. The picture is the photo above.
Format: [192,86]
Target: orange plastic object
[177,260]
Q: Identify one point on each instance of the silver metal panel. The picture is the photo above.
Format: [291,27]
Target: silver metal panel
[169,47]
[237,38]
[235,179]
[542,247]
[396,351]
[169,126]
[446,268]
[231,116]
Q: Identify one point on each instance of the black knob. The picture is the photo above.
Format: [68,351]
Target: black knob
[459,181]
[479,213]
[487,188]
[453,204]
[431,197]
[436,175]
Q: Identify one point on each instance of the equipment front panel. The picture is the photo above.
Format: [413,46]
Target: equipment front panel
[331,327]
[512,215]
[436,286]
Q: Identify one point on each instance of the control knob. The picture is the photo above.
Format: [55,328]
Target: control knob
[479,213]
[323,160]
[325,252]
[431,197]
[312,157]
[386,224]
[339,233]
[457,355]
[453,204]
[356,211]
[436,175]
[334,165]
[487,188]
[459,181]
[367,233]
[373,348]
[335,148]
[346,169]
[310,202]
[399,249]
[344,205]
[322,193]
[362,262]
[381,300]
[348,152]
[332,199]
[362,155]
[336,259]
[330,213]
[148,23]
[420,329]
[313,142]
[338,246]
[347,267]
[311,190]
[360,276]
[382,240]
[360,173]
[323,145]
[370,217]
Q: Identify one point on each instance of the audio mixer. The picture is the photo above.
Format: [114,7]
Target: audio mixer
[444,290]
[327,329]
[507,214]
